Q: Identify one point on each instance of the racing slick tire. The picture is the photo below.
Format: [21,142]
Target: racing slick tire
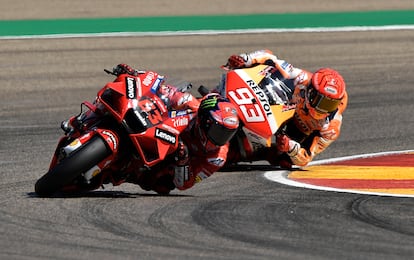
[78,162]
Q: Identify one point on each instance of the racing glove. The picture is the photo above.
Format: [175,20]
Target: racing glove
[301,158]
[297,154]
[124,69]
[285,145]
[235,62]
[248,59]
[239,61]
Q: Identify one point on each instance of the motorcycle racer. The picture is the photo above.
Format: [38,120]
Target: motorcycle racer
[203,147]
[320,98]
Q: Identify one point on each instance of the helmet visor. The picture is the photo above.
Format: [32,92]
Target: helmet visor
[322,103]
[219,135]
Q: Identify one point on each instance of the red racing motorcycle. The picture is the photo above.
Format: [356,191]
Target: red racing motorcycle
[125,133]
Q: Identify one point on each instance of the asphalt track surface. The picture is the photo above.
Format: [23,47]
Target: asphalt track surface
[232,215]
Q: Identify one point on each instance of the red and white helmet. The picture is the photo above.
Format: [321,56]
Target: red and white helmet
[325,93]
[217,121]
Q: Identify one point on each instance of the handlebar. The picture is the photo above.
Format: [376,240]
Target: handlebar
[110,72]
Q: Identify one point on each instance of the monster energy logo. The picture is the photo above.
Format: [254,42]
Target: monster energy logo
[208,103]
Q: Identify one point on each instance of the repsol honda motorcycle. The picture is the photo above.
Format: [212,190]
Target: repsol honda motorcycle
[261,95]
[126,132]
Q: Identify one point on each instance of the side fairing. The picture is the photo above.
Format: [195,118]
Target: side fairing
[253,107]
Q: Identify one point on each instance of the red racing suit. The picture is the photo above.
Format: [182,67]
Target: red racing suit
[203,159]
[309,136]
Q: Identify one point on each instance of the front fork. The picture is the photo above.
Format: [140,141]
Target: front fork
[85,120]
[64,149]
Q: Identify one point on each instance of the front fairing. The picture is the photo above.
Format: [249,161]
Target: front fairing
[153,130]
[246,89]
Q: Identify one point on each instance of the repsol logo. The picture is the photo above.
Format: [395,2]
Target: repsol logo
[262,97]
[131,88]
[165,136]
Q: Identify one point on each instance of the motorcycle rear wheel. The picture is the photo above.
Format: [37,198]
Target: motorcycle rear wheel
[72,166]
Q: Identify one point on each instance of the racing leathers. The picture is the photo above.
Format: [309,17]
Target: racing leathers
[305,136]
[204,159]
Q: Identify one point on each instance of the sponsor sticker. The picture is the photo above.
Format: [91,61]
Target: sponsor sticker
[111,138]
[165,136]
[216,161]
[131,88]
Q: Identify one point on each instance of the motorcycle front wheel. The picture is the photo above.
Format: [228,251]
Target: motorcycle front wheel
[84,158]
